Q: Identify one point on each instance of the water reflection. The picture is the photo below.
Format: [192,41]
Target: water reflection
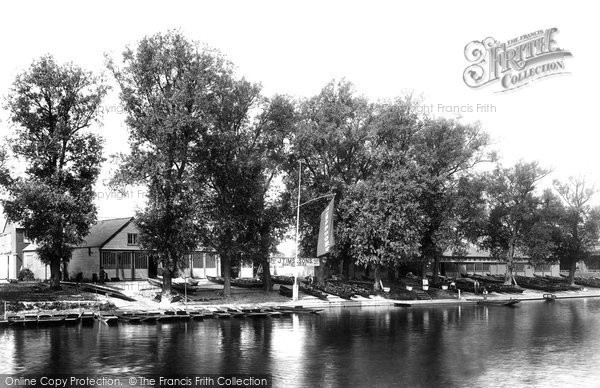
[536,344]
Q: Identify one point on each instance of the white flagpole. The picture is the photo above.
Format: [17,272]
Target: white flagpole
[295,287]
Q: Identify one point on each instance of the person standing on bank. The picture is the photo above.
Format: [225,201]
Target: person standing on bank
[102,275]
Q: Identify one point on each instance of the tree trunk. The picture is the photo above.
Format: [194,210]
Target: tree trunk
[509,277]
[267,285]
[55,274]
[377,276]
[65,271]
[166,286]
[424,269]
[429,255]
[346,267]
[226,261]
[572,269]
[436,268]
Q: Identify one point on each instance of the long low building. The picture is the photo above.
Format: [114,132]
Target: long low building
[113,245]
[481,262]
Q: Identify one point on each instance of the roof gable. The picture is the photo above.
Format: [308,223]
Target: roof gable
[103,231]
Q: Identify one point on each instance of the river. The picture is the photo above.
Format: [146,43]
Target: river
[534,344]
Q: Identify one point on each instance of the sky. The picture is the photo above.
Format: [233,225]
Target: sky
[385,48]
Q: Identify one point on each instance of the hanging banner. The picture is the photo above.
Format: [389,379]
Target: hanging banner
[326,239]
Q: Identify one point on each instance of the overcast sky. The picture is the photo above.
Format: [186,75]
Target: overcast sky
[385,48]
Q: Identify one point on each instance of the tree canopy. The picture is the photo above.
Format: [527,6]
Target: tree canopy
[52,106]
[167,87]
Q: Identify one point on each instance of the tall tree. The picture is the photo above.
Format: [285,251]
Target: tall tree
[446,152]
[167,87]
[333,141]
[578,231]
[246,149]
[514,212]
[382,221]
[52,106]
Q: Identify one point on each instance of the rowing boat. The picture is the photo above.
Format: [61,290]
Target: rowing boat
[48,319]
[107,318]
[286,291]
[24,320]
[179,287]
[130,317]
[87,317]
[498,302]
[72,318]
[239,282]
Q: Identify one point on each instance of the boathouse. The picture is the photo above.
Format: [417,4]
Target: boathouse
[114,245]
[480,262]
[13,239]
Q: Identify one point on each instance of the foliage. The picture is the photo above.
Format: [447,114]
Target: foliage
[451,199]
[381,220]
[52,105]
[349,146]
[166,85]
[246,148]
[577,231]
[334,141]
[25,275]
[514,212]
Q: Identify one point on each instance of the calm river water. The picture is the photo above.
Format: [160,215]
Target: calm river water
[535,344]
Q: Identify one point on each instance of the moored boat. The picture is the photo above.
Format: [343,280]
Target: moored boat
[498,302]
[87,317]
[238,282]
[72,318]
[130,316]
[179,287]
[549,297]
[22,320]
[286,291]
[49,319]
[107,318]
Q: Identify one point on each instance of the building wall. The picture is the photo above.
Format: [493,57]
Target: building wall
[5,261]
[202,265]
[86,261]
[12,244]
[521,269]
[40,270]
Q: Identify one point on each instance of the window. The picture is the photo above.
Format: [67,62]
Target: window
[109,260]
[26,239]
[197,260]
[140,260]
[211,261]
[132,239]
[470,267]
[542,268]
[451,267]
[124,260]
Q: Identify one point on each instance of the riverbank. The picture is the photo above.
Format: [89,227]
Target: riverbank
[31,296]
[211,298]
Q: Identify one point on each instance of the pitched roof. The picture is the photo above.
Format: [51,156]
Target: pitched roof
[30,247]
[103,231]
[100,233]
[474,251]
